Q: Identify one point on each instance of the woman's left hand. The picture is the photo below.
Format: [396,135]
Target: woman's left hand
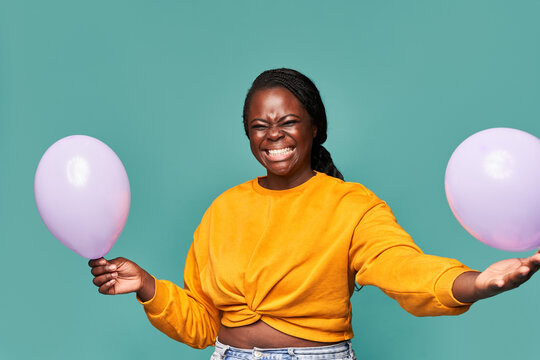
[499,277]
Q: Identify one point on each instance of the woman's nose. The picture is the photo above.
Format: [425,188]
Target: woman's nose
[274,133]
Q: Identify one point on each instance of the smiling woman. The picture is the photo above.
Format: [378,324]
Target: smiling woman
[291,100]
[281,134]
[274,261]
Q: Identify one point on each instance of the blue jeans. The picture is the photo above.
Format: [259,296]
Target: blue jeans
[340,351]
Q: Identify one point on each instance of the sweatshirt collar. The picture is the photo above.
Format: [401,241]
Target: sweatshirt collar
[258,188]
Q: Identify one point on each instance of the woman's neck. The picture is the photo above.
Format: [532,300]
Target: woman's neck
[277,182]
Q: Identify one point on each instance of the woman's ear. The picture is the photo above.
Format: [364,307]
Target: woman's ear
[314,131]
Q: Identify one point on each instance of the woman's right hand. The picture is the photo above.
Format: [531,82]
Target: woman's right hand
[121,276]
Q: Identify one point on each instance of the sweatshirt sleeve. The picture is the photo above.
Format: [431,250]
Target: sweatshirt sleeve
[186,315]
[384,255]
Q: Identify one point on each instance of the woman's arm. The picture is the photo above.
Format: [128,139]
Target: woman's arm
[502,276]
[185,315]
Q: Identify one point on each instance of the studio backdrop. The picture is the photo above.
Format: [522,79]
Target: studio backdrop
[163,84]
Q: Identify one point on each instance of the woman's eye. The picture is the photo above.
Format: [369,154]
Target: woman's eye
[257,127]
[290,123]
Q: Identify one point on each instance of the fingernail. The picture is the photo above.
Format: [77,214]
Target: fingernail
[111,267]
[114,274]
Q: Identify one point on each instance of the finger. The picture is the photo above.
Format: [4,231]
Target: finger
[497,285]
[534,268]
[97,262]
[102,279]
[108,287]
[524,270]
[99,270]
[518,277]
[535,259]
[531,263]
[119,261]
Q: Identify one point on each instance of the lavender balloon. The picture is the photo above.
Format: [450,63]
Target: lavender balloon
[492,184]
[82,194]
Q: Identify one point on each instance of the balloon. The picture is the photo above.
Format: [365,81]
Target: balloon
[82,194]
[492,184]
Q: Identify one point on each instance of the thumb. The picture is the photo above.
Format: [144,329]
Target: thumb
[124,266]
[98,262]
[119,261]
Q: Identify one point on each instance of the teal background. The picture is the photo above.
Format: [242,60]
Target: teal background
[163,84]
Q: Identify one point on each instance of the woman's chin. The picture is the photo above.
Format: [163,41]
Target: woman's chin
[282,170]
[278,172]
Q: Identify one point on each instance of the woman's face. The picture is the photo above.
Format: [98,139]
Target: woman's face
[280,133]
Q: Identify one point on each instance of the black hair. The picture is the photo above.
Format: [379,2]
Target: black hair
[307,93]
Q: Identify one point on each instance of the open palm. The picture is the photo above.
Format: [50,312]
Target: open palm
[506,275]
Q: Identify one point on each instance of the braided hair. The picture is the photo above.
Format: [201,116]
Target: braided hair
[306,92]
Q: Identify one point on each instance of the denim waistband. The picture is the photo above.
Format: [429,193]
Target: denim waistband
[335,351]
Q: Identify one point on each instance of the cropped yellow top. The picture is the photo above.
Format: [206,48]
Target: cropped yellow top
[290,258]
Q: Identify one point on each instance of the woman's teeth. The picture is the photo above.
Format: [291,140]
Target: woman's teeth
[280,151]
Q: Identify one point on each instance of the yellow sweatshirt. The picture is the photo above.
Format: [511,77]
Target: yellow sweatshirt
[290,258]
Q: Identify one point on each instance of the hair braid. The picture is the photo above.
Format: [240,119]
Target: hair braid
[322,161]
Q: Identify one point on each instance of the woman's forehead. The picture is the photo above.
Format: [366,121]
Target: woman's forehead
[276,99]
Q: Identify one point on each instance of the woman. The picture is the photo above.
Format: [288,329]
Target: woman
[274,261]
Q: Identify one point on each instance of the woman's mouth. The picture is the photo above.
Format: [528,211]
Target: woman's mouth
[278,154]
